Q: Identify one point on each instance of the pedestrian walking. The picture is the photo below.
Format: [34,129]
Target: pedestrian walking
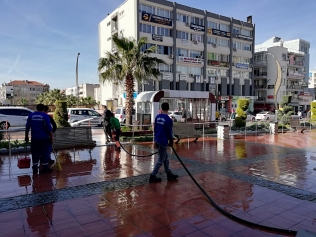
[116,127]
[163,139]
[41,138]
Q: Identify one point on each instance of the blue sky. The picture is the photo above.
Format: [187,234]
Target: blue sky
[40,39]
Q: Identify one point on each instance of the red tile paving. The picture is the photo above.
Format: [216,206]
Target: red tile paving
[169,208]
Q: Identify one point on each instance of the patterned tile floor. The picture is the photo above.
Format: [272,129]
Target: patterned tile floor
[265,179]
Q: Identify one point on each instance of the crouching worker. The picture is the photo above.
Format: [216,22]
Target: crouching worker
[116,127]
[163,139]
[41,138]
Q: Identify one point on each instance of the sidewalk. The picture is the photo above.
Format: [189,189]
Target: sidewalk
[264,179]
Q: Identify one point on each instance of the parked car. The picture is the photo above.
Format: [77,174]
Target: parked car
[265,115]
[78,114]
[121,116]
[176,116]
[14,116]
[250,117]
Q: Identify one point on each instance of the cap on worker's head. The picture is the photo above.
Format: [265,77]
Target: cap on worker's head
[165,106]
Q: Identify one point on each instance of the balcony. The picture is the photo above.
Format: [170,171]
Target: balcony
[260,74]
[294,87]
[259,87]
[295,75]
[296,64]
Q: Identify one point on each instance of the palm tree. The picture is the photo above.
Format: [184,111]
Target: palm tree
[128,63]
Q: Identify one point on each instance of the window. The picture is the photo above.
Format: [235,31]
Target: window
[223,58]
[164,13]
[197,20]
[212,24]
[212,56]
[165,68]
[196,54]
[163,31]
[196,70]
[236,74]
[236,30]
[147,28]
[93,113]
[224,27]
[146,46]
[146,8]
[223,73]
[246,32]
[182,69]
[212,72]
[211,40]
[166,50]
[197,37]
[182,52]
[247,47]
[182,35]
[237,45]
[244,60]
[245,74]
[182,18]
[224,42]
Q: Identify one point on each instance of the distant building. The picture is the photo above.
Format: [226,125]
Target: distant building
[85,90]
[97,94]
[11,93]
[293,57]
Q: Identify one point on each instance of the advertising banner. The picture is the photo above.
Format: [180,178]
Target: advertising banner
[216,32]
[156,19]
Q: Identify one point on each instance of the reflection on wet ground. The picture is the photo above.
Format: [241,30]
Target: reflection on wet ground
[100,192]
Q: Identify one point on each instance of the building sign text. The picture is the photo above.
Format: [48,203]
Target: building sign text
[156,19]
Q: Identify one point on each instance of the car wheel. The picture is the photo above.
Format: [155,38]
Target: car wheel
[3,126]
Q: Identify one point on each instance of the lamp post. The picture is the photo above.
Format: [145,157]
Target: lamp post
[77,84]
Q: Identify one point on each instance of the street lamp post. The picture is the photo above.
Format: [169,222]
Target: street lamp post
[77,84]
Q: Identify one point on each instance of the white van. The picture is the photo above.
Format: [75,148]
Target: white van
[13,117]
[78,114]
[120,114]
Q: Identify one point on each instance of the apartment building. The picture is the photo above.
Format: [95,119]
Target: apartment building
[293,57]
[11,93]
[85,90]
[203,51]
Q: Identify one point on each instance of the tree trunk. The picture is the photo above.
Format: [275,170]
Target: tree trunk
[129,87]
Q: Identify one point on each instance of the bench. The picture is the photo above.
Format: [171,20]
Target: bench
[185,130]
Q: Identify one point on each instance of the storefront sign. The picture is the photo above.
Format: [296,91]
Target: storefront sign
[217,64]
[243,37]
[212,31]
[270,87]
[242,65]
[182,59]
[156,37]
[270,96]
[183,77]
[166,77]
[156,19]
[224,98]
[197,27]
[185,42]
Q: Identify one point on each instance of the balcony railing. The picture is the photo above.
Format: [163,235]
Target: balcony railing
[259,86]
[294,87]
[260,74]
[296,75]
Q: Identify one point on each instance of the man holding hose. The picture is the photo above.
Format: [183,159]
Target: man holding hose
[163,139]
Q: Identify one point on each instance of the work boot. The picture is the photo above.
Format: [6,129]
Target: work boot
[35,169]
[171,176]
[154,179]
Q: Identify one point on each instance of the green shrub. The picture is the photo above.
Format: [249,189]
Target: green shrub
[287,109]
[60,114]
[280,126]
[286,99]
[313,111]
[243,105]
[126,129]
[239,122]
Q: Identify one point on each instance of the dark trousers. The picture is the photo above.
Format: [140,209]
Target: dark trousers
[40,150]
[117,134]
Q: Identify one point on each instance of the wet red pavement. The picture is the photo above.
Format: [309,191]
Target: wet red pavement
[239,171]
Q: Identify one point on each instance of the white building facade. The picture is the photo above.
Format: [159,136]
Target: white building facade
[203,51]
[85,90]
[293,57]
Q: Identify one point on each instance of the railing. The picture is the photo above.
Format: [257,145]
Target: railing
[260,74]
[298,87]
[259,86]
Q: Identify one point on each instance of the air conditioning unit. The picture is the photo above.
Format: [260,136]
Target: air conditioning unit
[187,24]
[170,56]
[191,75]
[250,65]
[234,49]
[214,45]
[195,42]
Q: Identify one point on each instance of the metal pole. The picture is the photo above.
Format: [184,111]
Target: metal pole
[77,84]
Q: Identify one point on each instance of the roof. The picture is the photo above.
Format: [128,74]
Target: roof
[25,82]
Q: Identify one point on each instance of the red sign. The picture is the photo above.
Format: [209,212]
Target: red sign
[270,97]
[217,63]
